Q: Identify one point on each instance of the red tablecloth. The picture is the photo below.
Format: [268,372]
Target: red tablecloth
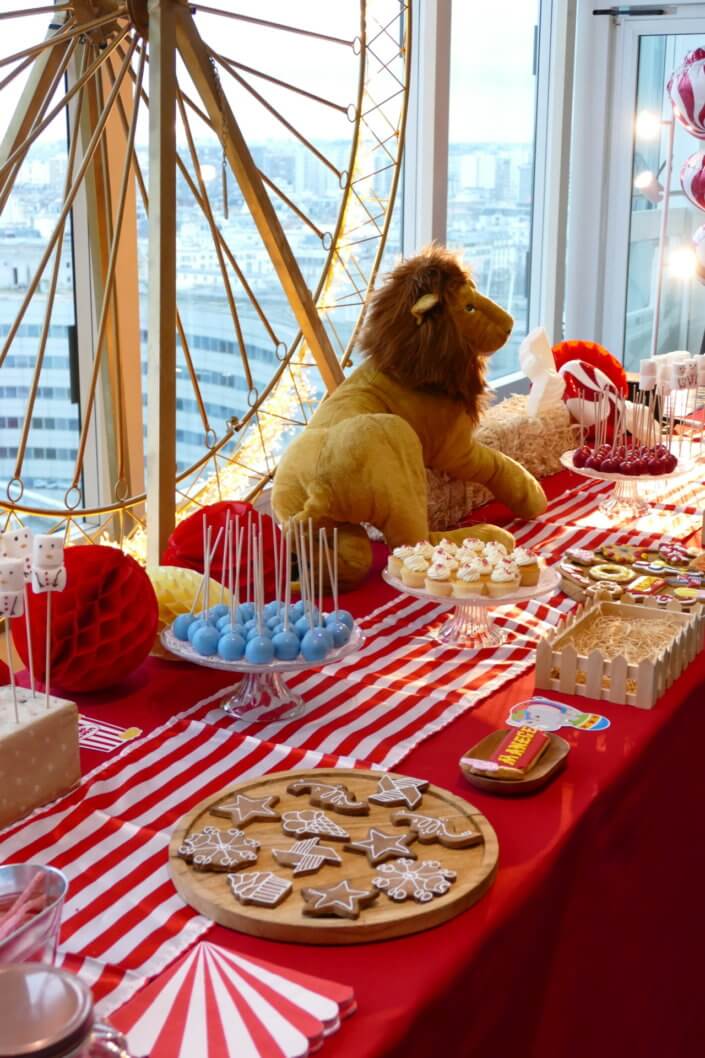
[590,941]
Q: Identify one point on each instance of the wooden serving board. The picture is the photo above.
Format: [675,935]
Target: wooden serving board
[549,764]
[209,893]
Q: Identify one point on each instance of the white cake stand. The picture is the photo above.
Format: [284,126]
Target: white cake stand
[627,500]
[470,624]
[263,695]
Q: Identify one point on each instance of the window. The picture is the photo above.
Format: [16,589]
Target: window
[491,147]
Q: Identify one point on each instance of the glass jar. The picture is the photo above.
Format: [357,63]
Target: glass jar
[48,1013]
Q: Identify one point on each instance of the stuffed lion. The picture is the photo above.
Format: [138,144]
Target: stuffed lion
[413,403]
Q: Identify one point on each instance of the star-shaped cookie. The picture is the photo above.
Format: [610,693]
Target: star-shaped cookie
[243,809]
[378,846]
[399,790]
[340,900]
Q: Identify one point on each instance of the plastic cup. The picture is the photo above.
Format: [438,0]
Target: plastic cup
[37,939]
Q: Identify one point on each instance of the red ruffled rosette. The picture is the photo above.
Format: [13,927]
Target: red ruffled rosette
[185,545]
[102,624]
[596,356]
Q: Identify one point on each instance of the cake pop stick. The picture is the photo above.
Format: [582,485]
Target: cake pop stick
[321,536]
[17,543]
[11,605]
[287,582]
[226,540]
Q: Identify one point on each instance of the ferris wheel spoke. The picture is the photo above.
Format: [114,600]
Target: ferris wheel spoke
[27,113]
[110,271]
[272,25]
[207,210]
[50,9]
[48,310]
[292,205]
[55,111]
[340,107]
[63,35]
[279,117]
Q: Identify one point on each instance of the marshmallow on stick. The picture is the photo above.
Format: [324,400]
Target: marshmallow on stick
[11,587]
[48,570]
[17,543]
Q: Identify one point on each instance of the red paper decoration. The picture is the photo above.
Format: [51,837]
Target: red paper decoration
[693,179]
[185,545]
[103,622]
[595,356]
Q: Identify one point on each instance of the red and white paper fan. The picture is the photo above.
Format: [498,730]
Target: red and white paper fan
[216,1004]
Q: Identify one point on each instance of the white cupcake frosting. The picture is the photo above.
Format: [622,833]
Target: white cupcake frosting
[403,552]
[424,548]
[494,551]
[472,545]
[505,572]
[485,566]
[523,557]
[416,563]
[447,546]
[438,570]
[469,572]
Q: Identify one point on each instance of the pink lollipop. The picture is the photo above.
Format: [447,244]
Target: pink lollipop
[693,179]
[686,89]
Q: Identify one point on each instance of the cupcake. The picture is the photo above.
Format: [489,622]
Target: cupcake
[485,567]
[528,565]
[396,558]
[438,578]
[468,580]
[440,554]
[413,570]
[425,549]
[471,546]
[495,551]
[505,579]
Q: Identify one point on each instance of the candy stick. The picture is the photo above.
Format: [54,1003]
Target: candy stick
[30,654]
[312,573]
[47,652]
[275,545]
[333,568]
[8,648]
[225,556]
[301,558]
[287,583]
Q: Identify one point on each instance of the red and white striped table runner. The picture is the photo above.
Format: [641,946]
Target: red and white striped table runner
[123,920]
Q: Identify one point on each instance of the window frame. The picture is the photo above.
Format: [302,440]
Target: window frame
[424,199]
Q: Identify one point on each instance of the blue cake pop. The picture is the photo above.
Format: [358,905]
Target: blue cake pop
[250,624]
[314,645]
[254,632]
[182,624]
[259,650]
[301,626]
[231,647]
[223,621]
[272,608]
[194,627]
[286,645]
[274,621]
[246,611]
[298,610]
[205,641]
[339,631]
[218,611]
[341,615]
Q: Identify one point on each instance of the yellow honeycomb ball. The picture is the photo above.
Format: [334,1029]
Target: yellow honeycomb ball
[175,589]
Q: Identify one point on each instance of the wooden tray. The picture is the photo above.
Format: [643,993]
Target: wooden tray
[551,762]
[208,892]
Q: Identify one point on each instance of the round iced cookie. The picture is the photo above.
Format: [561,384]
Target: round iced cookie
[259,650]
[611,571]
[231,647]
[205,641]
[286,646]
[181,625]
[618,553]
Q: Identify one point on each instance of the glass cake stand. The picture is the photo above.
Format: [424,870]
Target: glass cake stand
[263,695]
[627,499]
[470,624]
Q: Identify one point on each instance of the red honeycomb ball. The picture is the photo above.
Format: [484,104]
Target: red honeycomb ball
[102,624]
[185,545]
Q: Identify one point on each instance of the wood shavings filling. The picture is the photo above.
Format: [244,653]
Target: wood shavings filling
[633,638]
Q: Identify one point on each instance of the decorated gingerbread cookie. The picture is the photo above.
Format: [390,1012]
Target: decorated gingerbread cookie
[243,810]
[259,887]
[619,553]
[341,900]
[334,796]
[212,849]
[582,556]
[430,829]
[306,857]
[611,571]
[379,846]
[646,585]
[421,881]
[399,790]
[312,823]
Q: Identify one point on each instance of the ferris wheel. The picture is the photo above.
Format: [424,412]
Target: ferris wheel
[210,227]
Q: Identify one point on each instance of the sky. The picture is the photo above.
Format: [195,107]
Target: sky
[492,87]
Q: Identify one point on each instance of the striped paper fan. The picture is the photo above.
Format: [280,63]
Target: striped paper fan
[216,1004]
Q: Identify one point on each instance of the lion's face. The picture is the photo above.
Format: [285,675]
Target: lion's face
[484,324]
[429,328]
